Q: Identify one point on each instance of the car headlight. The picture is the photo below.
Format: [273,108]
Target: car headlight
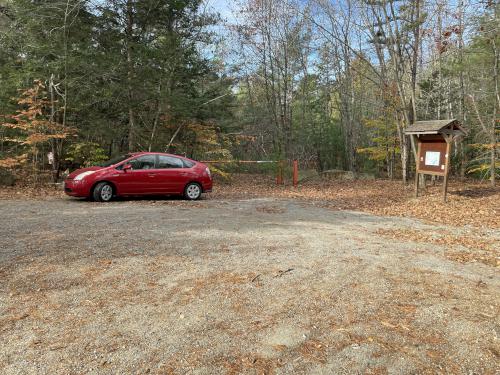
[208,172]
[81,176]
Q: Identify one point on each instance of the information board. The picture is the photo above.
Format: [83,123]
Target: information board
[432,156]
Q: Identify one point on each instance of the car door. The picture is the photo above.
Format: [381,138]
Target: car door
[173,177]
[141,178]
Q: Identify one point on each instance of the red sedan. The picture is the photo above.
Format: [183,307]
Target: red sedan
[143,173]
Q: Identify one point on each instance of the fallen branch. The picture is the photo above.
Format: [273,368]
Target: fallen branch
[281,273]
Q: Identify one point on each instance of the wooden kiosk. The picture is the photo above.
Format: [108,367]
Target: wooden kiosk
[433,140]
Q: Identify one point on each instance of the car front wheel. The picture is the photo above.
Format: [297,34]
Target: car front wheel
[192,191]
[103,192]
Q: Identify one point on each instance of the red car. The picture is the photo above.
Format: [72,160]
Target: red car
[142,173]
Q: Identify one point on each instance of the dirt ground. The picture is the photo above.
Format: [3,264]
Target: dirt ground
[254,286]
[471,203]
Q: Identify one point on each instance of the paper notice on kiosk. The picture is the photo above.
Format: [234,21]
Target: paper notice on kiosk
[432,158]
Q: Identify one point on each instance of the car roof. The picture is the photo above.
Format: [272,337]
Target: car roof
[158,153]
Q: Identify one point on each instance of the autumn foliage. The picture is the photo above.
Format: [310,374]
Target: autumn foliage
[32,128]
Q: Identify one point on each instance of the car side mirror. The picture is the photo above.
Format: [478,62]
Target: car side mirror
[127,167]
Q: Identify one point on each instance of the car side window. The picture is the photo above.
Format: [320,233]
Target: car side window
[165,162]
[187,163]
[143,162]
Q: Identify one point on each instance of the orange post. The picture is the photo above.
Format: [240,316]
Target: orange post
[295,173]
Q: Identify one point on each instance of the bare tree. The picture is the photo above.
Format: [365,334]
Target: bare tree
[396,31]
[272,36]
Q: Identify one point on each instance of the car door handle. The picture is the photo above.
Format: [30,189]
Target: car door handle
[151,174]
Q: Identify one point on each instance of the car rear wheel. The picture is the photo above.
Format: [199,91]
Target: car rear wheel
[192,191]
[103,192]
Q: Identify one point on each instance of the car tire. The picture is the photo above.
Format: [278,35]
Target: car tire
[103,192]
[192,191]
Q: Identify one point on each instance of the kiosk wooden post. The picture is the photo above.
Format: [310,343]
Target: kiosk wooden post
[447,167]
[417,174]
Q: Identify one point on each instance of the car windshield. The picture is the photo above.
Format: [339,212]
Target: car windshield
[115,160]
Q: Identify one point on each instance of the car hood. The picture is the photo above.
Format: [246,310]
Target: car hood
[78,171]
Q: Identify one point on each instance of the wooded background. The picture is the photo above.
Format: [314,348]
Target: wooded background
[331,83]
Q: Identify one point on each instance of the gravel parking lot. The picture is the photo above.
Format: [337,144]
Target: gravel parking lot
[239,286]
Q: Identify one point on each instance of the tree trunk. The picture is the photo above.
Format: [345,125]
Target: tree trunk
[496,109]
[461,109]
[404,159]
[157,117]
[493,162]
[53,142]
[130,75]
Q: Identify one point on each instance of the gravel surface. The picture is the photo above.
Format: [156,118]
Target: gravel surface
[251,286]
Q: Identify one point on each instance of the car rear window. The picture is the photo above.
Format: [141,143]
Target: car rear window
[188,163]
